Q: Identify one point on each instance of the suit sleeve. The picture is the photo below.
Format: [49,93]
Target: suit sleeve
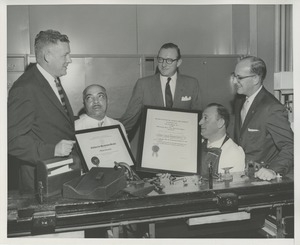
[23,143]
[279,128]
[134,107]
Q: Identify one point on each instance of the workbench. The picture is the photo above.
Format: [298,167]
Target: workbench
[187,198]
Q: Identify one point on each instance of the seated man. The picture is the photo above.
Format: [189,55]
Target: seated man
[95,104]
[214,122]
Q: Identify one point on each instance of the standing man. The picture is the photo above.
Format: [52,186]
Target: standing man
[40,117]
[95,104]
[261,121]
[167,88]
[214,123]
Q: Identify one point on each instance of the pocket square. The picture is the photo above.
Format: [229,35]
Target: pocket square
[186,98]
[253,130]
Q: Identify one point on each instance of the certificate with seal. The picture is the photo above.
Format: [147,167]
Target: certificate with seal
[101,147]
[170,141]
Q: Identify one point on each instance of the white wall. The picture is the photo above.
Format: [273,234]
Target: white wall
[131,29]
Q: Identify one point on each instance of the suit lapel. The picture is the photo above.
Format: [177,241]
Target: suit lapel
[49,93]
[253,108]
[156,91]
[178,91]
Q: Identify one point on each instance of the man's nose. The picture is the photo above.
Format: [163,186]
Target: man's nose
[96,101]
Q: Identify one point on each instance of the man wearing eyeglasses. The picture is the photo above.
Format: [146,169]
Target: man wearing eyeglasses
[261,121]
[168,88]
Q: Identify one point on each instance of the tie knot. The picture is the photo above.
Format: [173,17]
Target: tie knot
[169,79]
[57,82]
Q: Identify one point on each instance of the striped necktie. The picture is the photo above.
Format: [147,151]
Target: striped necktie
[61,94]
[168,95]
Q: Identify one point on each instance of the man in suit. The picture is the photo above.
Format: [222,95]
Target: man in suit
[40,117]
[261,121]
[168,88]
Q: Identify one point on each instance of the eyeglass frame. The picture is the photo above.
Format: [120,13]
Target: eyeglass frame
[169,61]
[239,78]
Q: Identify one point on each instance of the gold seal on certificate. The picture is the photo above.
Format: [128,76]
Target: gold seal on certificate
[155,150]
[95,161]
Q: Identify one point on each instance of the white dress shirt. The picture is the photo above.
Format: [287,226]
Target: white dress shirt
[50,79]
[232,155]
[86,122]
[163,82]
[251,98]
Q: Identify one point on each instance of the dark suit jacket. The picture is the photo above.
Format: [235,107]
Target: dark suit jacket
[36,122]
[147,91]
[266,134]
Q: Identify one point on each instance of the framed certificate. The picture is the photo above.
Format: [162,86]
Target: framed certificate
[170,141]
[101,147]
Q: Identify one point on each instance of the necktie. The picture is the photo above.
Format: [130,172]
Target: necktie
[244,110]
[61,94]
[168,94]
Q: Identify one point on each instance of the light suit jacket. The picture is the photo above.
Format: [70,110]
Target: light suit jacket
[147,91]
[266,134]
[36,122]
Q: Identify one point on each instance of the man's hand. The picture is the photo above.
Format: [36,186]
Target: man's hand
[265,174]
[63,148]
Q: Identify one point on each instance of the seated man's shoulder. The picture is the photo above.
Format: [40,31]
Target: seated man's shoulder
[80,121]
[112,121]
[232,145]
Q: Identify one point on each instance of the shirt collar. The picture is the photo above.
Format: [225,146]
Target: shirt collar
[48,77]
[217,143]
[165,79]
[252,97]
[93,119]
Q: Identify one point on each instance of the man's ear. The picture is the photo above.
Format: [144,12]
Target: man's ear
[179,62]
[47,56]
[221,123]
[256,80]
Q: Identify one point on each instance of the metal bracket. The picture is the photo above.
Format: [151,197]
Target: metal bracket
[43,222]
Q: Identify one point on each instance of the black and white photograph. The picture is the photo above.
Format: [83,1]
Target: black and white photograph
[167,121]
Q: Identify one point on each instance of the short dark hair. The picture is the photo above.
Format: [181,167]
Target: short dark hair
[258,66]
[45,38]
[222,112]
[171,45]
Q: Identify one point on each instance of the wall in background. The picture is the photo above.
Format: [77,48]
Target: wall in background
[18,30]
[131,29]
[91,29]
[196,29]
[111,41]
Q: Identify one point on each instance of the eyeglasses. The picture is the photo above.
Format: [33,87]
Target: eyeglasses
[168,60]
[239,78]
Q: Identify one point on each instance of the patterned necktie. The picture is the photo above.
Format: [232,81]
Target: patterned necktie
[61,94]
[168,95]
[244,110]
